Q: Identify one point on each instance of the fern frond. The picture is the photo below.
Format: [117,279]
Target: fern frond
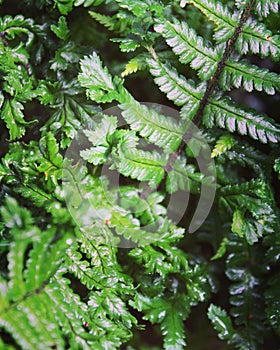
[243,74]
[252,218]
[223,112]
[254,38]
[12,114]
[246,297]
[264,7]
[221,322]
[172,326]
[140,165]
[261,7]
[33,259]
[135,64]
[97,80]
[106,21]
[177,88]
[159,129]
[220,110]
[192,49]
[183,176]
[224,143]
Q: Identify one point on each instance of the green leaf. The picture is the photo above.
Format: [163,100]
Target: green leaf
[14,118]
[14,27]
[97,80]
[264,7]
[172,326]
[135,64]
[243,74]
[254,37]
[177,88]
[106,21]
[140,165]
[227,114]
[238,223]
[159,129]
[64,6]
[51,163]
[225,142]
[126,45]
[190,47]
[95,155]
[252,217]
[221,250]
[61,31]
[101,134]
[221,322]
[87,3]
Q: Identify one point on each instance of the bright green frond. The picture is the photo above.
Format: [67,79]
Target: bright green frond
[226,114]
[178,89]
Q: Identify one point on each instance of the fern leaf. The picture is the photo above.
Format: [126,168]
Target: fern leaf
[226,114]
[14,118]
[219,111]
[126,44]
[31,264]
[169,313]
[135,64]
[225,142]
[261,7]
[246,294]
[177,88]
[183,176]
[254,38]
[16,26]
[87,3]
[221,322]
[101,134]
[140,165]
[264,7]
[172,326]
[97,80]
[61,30]
[251,218]
[51,161]
[35,194]
[160,130]
[64,6]
[219,14]
[106,21]
[250,77]
[192,49]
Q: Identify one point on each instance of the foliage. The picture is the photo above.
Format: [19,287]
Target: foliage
[88,264]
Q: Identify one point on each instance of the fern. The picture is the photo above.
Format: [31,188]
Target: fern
[97,206]
[192,49]
[255,37]
[220,110]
